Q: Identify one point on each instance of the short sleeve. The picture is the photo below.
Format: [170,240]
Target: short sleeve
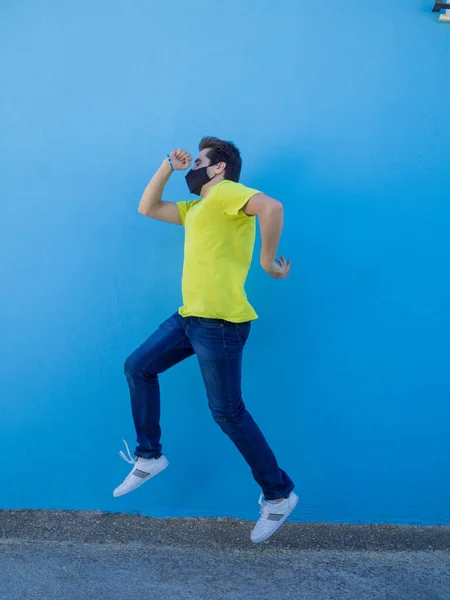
[184,207]
[234,196]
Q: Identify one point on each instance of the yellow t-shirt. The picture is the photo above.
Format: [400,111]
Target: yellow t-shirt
[218,248]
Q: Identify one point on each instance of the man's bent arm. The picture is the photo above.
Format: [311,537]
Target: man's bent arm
[271,218]
[151,204]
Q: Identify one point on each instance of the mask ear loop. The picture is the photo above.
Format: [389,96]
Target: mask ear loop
[206,171]
[214,173]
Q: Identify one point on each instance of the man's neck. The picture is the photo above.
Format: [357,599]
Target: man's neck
[207,187]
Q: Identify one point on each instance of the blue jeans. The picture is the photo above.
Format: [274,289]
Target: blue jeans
[218,345]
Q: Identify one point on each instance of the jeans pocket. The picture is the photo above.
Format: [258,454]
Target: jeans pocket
[211,323]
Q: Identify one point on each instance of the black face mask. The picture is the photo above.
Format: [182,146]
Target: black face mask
[196,179]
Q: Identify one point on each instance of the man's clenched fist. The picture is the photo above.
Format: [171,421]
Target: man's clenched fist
[181,159]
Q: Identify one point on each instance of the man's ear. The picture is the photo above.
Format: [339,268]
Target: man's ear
[220,167]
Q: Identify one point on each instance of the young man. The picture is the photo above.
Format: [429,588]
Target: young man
[214,321]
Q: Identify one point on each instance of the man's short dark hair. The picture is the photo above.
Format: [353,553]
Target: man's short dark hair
[221,151]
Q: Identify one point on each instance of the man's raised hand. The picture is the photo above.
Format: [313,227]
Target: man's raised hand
[181,159]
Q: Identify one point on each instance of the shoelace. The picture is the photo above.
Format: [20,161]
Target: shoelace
[265,507]
[129,458]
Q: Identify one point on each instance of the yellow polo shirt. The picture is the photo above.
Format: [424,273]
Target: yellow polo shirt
[218,248]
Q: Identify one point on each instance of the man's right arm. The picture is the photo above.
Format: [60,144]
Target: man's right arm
[151,204]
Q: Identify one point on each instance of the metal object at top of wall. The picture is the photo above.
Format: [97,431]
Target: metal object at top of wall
[445,18]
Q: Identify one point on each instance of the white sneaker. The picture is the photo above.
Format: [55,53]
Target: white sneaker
[143,470]
[273,515]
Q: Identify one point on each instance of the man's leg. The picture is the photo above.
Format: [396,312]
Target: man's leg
[168,346]
[219,345]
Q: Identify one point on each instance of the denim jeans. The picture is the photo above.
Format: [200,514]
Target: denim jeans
[218,346]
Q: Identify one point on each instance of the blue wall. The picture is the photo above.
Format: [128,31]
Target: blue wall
[339,113]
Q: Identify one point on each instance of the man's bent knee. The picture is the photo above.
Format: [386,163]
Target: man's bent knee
[227,414]
[133,367]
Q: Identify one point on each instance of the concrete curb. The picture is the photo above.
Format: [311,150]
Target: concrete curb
[118,528]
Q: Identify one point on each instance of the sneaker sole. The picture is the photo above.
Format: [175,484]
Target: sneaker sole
[279,524]
[142,481]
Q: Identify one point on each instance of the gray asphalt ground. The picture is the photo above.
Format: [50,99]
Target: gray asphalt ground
[69,555]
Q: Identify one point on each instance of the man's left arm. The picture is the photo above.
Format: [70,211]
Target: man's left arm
[271,217]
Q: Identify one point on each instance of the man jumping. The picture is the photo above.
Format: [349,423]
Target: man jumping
[214,321]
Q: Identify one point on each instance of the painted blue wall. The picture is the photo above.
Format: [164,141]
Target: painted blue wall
[339,113]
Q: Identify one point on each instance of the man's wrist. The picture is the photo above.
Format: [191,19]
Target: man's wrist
[166,166]
[266,262]
[169,160]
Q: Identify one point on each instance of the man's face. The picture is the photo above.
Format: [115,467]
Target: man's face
[202,160]
[208,175]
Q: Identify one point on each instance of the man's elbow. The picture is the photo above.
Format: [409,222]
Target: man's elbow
[142,211]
